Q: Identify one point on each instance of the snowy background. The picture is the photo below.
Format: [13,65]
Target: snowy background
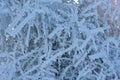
[59,40]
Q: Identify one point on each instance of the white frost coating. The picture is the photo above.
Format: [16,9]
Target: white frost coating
[17,19]
[59,40]
[79,61]
[76,1]
[21,25]
[59,28]
[97,56]
[93,6]
[82,73]
[28,36]
[53,58]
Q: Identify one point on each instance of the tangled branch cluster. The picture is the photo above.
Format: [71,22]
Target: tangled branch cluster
[56,40]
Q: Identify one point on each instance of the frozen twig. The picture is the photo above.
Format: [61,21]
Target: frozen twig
[21,25]
[27,38]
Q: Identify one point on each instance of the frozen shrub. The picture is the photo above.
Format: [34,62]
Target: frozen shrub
[59,40]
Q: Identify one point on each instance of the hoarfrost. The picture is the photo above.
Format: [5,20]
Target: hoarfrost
[59,40]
